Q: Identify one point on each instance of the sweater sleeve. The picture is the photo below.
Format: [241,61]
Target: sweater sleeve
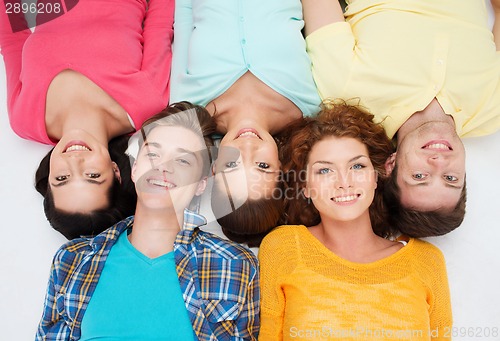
[277,260]
[440,306]
[183,28]
[157,37]
[13,34]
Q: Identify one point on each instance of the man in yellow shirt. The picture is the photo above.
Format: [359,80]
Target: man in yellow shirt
[428,70]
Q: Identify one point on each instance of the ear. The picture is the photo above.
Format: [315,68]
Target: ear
[116,171]
[306,192]
[213,169]
[202,185]
[132,174]
[390,163]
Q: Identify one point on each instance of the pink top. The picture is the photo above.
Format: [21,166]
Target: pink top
[106,41]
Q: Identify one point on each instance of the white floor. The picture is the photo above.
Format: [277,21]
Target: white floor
[473,258]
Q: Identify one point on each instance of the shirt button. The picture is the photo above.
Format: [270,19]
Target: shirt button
[243,41]
[435,87]
[440,62]
[242,19]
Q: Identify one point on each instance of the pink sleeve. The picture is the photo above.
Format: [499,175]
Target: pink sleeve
[158,35]
[12,44]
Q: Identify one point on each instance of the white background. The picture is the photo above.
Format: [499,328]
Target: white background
[27,242]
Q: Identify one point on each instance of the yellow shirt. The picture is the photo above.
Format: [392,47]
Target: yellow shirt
[307,292]
[395,56]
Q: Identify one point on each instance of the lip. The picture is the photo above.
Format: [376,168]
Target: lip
[160,182]
[247,130]
[349,201]
[438,145]
[76,143]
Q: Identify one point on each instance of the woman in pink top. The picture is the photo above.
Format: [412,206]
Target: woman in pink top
[90,72]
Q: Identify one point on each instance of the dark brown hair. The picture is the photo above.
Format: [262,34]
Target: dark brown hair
[121,198]
[251,221]
[340,120]
[419,224]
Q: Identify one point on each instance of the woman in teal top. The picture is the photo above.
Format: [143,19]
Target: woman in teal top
[247,63]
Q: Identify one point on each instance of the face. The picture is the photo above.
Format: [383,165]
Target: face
[431,168]
[247,165]
[341,180]
[168,170]
[81,173]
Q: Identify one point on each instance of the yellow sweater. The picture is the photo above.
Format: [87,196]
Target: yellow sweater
[308,292]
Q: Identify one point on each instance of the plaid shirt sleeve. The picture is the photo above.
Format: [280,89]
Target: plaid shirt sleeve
[52,325]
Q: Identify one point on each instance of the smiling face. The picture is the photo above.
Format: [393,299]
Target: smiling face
[169,167]
[431,168]
[81,173]
[341,180]
[247,164]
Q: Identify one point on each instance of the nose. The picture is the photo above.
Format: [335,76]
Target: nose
[165,166]
[438,160]
[343,180]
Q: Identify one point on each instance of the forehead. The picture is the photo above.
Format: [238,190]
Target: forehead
[337,148]
[176,136]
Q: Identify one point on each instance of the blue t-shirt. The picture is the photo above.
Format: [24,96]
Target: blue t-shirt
[137,298]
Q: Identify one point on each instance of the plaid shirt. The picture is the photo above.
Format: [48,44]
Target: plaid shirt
[219,280]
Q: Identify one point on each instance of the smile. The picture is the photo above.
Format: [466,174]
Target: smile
[161,183]
[248,133]
[438,145]
[76,146]
[346,198]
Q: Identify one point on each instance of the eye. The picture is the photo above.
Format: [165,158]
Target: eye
[94,175]
[263,165]
[358,166]
[184,162]
[231,164]
[152,155]
[450,178]
[62,177]
[419,176]
[324,170]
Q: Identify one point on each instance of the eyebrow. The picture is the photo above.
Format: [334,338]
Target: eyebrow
[90,181]
[331,163]
[447,184]
[179,150]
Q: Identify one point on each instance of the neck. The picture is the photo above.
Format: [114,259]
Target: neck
[433,113]
[154,232]
[352,240]
[99,124]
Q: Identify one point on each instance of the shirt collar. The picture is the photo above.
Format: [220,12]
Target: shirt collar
[192,221]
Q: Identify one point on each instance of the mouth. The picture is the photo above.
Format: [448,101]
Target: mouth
[346,199]
[76,146]
[248,133]
[161,183]
[438,145]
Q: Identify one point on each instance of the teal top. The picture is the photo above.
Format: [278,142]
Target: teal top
[137,298]
[216,42]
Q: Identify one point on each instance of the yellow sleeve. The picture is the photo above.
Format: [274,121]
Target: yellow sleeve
[440,314]
[277,260]
[331,50]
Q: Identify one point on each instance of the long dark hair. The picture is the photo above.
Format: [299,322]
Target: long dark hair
[122,197]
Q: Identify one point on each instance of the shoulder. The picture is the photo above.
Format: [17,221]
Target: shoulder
[426,252]
[80,247]
[283,235]
[226,249]
[427,260]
